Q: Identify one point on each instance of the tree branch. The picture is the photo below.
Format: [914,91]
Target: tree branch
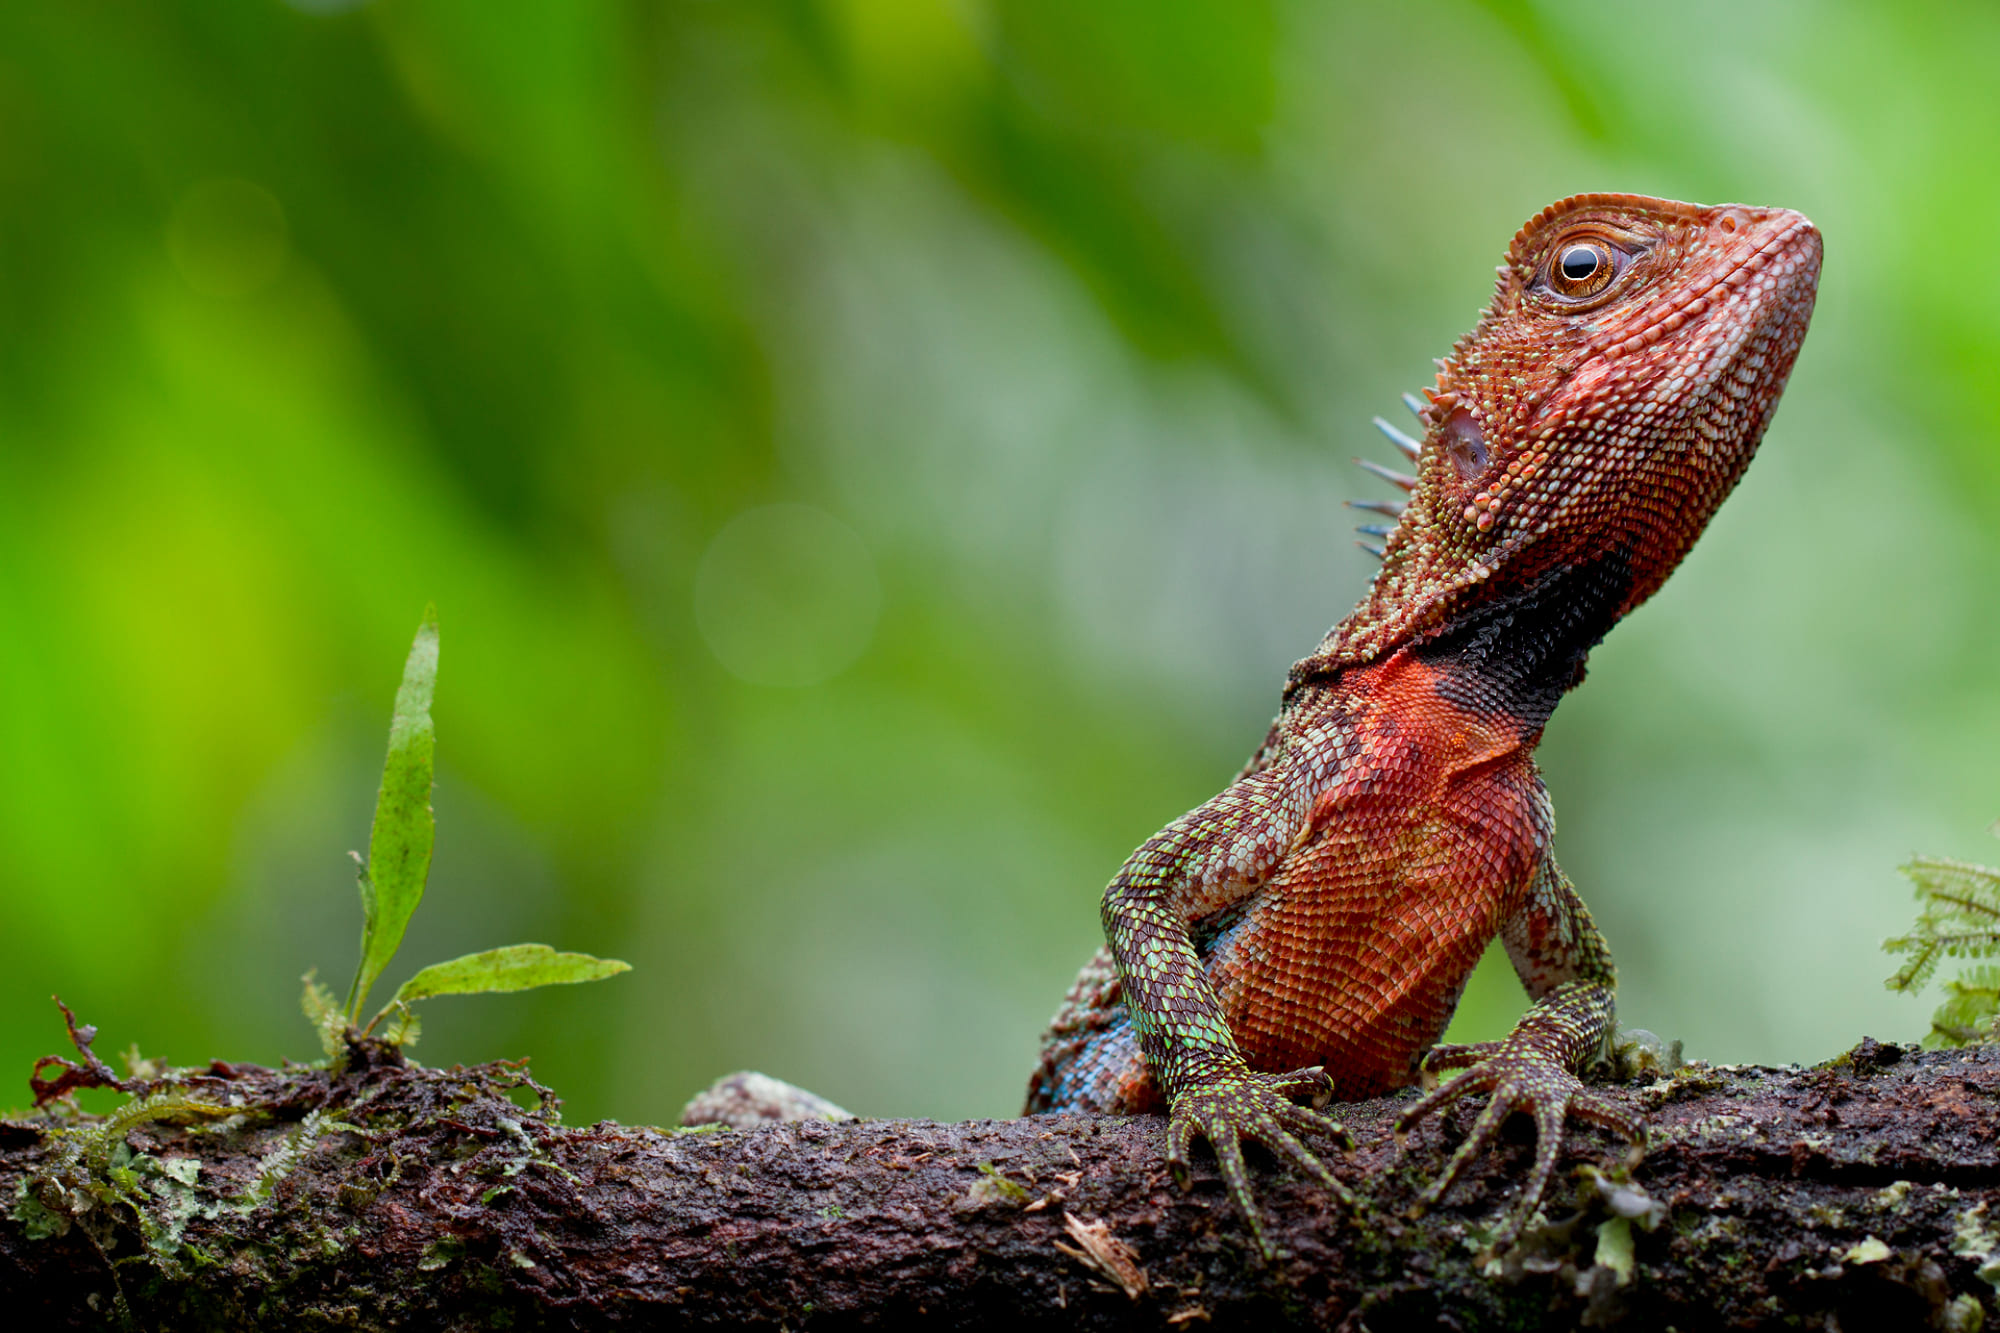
[238,1197]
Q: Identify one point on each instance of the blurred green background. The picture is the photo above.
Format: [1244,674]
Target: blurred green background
[874,462]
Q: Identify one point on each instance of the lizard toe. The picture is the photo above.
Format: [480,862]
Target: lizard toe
[1236,1177]
[1302,1157]
[1472,1080]
[1443,1058]
[1484,1130]
[1549,1116]
[1181,1134]
[1310,1085]
[1312,1124]
[1606,1112]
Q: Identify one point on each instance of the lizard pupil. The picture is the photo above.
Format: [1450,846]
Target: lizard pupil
[1580,263]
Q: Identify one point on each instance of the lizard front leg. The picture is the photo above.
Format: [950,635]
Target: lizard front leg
[1566,966]
[1209,858]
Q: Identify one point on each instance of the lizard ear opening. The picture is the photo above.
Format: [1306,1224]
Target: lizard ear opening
[1464,444]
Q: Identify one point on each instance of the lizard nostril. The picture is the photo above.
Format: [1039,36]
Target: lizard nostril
[1730,221]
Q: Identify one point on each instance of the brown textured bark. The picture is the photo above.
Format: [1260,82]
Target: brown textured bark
[1854,1195]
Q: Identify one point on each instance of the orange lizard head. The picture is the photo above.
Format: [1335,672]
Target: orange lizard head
[1603,406]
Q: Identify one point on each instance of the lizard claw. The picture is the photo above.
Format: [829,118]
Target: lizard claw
[1229,1107]
[1443,1057]
[1523,1078]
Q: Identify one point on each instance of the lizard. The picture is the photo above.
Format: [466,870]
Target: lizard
[1305,935]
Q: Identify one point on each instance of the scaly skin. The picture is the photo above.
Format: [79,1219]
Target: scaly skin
[1308,931]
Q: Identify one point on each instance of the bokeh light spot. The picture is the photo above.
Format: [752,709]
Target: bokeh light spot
[228,237]
[786,595]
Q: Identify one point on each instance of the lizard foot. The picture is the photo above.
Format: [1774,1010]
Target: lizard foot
[1229,1107]
[1522,1077]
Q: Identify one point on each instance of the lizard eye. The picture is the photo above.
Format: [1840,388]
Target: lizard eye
[1582,268]
[1581,262]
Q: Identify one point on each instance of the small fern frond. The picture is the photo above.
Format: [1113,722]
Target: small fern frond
[325,1014]
[1959,918]
[1971,889]
[1923,961]
[1970,1010]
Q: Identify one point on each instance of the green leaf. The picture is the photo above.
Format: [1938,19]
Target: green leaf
[399,844]
[516,967]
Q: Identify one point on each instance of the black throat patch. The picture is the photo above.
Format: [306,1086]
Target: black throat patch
[1519,652]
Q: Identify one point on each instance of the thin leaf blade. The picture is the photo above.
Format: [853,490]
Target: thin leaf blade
[515,967]
[399,842]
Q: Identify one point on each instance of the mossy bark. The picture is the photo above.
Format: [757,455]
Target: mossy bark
[1860,1194]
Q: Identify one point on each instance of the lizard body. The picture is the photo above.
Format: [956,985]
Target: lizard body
[1308,931]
